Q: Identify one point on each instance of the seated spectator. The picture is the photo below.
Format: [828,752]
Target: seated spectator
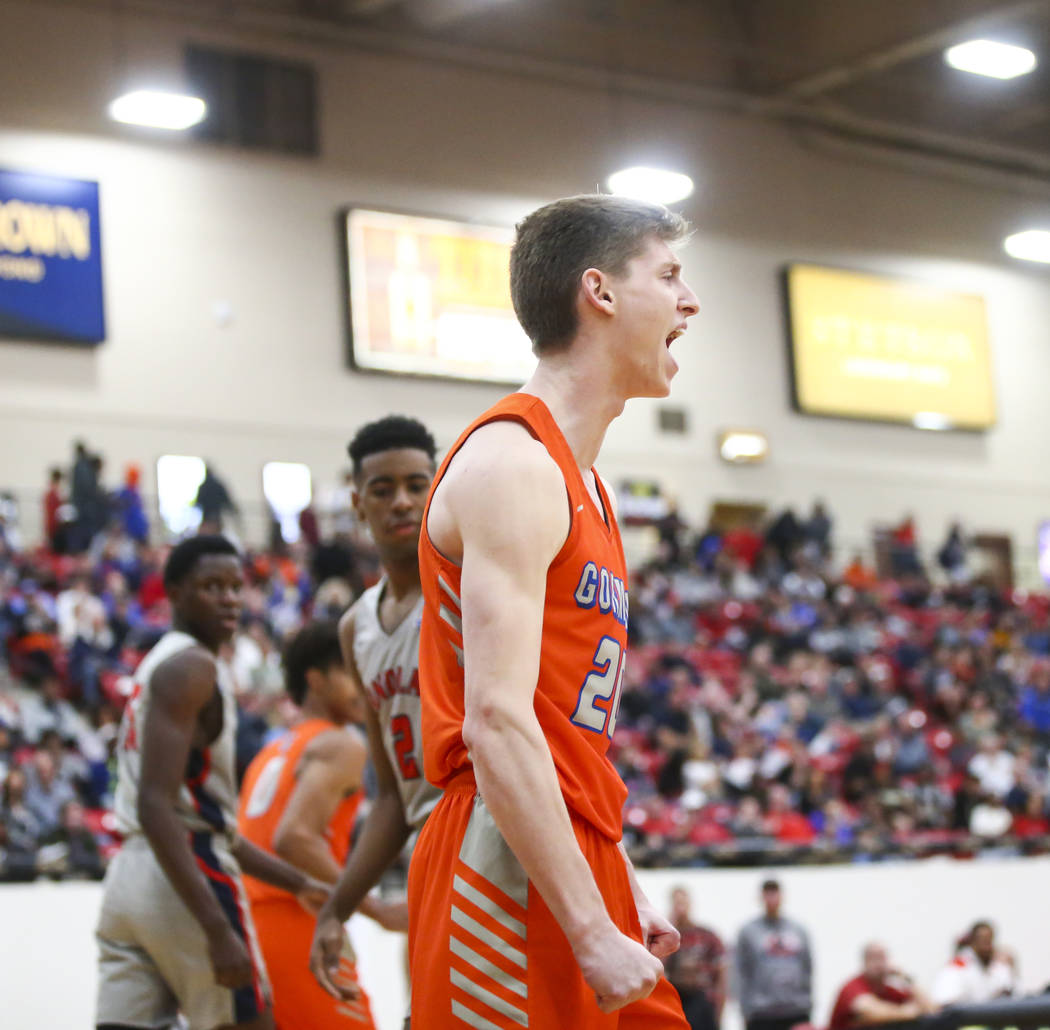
[24,829]
[787,825]
[978,972]
[17,856]
[993,766]
[7,752]
[967,797]
[83,628]
[990,818]
[858,575]
[1034,705]
[70,765]
[45,793]
[47,709]
[1031,821]
[913,752]
[834,824]
[931,801]
[879,994]
[748,820]
[75,850]
[697,970]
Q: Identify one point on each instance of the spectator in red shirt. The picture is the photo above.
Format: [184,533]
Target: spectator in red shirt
[879,994]
[53,500]
[697,970]
[1031,821]
[783,822]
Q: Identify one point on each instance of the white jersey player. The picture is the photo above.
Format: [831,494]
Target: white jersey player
[393,464]
[175,933]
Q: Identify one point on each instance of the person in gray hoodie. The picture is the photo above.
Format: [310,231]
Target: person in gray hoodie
[774,968]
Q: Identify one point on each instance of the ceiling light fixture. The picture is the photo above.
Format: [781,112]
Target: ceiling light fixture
[986,57]
[655,185]
[158,110]
[1031,245]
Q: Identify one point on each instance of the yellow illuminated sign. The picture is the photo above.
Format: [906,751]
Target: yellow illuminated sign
[432,297]
[875,347]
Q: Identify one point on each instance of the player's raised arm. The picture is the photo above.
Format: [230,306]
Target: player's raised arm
[183,687]
[503,585]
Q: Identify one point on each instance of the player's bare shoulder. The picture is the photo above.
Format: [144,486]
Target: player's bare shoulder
[501,468]
[192,670]
[339,745]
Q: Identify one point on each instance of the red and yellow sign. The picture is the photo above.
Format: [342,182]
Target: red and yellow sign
[432,297]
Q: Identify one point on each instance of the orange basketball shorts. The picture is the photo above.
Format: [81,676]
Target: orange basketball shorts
[285,931]
[484,949]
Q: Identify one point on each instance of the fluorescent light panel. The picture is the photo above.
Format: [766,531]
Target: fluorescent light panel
[1030,245]
[656,185]
[986,57]
[158,110]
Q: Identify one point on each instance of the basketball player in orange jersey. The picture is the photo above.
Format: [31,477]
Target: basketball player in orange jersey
[524,908]
[298,800]
[393,465]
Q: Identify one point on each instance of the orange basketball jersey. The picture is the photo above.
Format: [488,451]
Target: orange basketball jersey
[583,647]
[268,785]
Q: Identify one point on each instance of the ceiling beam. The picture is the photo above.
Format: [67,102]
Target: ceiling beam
[966,152]
[433,14]
[918,46]
[366,8]
[1022,118]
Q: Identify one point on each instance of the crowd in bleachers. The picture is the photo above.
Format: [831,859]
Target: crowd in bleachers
[776,711]
[772,710]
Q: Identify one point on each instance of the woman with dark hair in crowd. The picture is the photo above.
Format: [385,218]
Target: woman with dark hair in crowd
[23,827]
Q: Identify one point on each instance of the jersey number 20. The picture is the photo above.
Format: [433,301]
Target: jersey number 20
[604,682]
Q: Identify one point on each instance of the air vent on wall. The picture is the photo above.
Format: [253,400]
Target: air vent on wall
[254,100]
[672,420]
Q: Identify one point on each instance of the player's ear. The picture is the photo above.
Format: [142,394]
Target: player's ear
[174,592]
[597,290]
[315,681]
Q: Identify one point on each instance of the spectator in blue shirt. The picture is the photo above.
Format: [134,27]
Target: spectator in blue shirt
[1034,707]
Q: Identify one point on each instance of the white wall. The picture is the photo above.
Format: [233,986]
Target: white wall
[47,949]
[186,226]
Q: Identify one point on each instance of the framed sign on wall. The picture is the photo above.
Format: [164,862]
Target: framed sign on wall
[431,297]
[888,349]
[50,259]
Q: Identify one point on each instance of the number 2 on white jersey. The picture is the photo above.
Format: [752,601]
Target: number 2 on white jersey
[604,682]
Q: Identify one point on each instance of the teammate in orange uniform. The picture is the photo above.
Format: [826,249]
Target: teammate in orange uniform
[298,800]
[524,908]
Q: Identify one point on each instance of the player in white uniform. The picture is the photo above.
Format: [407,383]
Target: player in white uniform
[393,464]
[175,933]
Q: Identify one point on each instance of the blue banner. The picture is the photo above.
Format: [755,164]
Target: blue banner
[50,259]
